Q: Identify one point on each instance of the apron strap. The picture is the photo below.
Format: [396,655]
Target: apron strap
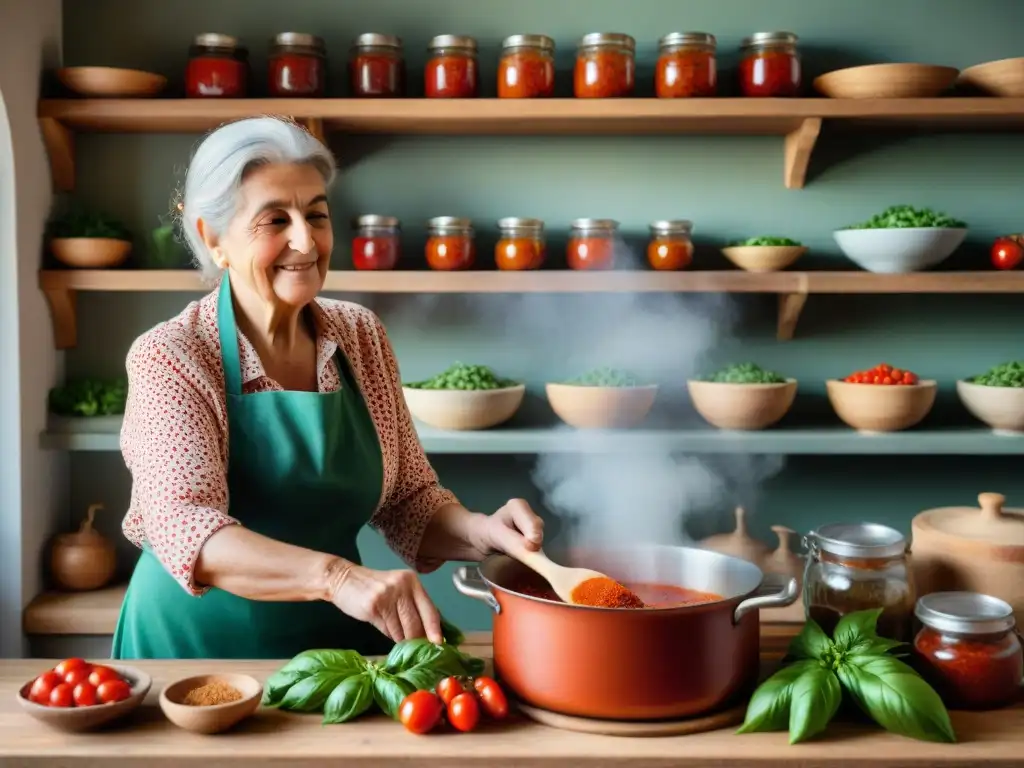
[228,332]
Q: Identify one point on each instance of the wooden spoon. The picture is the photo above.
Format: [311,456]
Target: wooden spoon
[566,582]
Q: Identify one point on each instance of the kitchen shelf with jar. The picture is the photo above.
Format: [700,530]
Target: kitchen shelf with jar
[60,286]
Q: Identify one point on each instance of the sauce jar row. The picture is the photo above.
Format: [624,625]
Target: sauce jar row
[605,66]
[594,244]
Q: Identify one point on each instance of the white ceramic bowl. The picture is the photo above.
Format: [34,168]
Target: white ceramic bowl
[1002,408]
[741,406]
[464,409]
[899,250]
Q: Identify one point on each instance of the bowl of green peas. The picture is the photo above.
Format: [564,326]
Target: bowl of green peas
[996,397]
[901,239]
[742,396]
[766,253]
[602,398]
[464,396]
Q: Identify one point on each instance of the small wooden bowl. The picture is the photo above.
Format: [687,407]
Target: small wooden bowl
[995,78]
[111,82]
[886,81]
[464,409]
[874,408]
[763,258]
[73,719]
[90,252]
[586,407]
[742,406]
[214,718]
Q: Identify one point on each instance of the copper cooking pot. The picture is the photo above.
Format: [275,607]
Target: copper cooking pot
[628,664]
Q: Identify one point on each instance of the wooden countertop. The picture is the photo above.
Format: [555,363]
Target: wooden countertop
[272,737]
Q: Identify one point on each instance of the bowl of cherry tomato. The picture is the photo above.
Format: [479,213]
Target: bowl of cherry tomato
[77,695]
[881,399]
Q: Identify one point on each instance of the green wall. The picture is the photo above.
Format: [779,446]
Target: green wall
[729,186]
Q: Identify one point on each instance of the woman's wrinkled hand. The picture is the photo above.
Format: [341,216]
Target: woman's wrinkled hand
[395,602]
[513,526]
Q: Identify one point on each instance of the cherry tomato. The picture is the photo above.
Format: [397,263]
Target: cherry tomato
[492,698]
[67,665]
[101,674]
[420,711]
[1007,253]
[62,695]
[85,694]
[448,689]
[464,712]
[42,686]
[77,675]
[110,691]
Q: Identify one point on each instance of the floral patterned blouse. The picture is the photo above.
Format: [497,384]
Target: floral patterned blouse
[175,434]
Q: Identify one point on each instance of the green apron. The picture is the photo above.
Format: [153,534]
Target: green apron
[304,468]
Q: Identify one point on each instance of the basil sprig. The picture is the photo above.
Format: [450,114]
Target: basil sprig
[806,693]
[344,684]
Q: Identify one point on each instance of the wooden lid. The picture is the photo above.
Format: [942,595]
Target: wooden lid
[989,522]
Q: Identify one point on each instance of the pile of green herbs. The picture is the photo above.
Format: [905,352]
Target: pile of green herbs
[745,373]
[855,662]
[466,376]
[1003,375]
[909,217]
[605,377]
[89,397]
[78,221]
[767,240]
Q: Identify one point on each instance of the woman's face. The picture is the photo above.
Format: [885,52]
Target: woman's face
[280,240]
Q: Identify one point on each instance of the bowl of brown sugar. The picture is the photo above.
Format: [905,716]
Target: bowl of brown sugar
[210,703]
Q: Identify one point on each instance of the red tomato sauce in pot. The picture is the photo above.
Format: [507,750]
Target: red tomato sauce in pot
[652,595]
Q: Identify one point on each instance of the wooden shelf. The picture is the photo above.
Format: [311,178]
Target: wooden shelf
[799,120]
[74,613]
[61,286]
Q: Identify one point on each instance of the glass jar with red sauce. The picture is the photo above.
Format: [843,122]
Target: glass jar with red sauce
[670,247]
[592,244]
[376,242]
[376,67]
[968,650]
[450,243]
[687,66]
[451,71]
[297,65]
[605,66]
[526,69]
[218,67]
[521,244]
[770,65]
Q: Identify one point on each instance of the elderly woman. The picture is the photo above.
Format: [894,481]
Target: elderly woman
[265,426]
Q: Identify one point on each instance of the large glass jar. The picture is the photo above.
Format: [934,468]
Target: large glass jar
[376,242]
[968,650]
[218,67]
[297,65]
[376,67]
[770,65]
[451,71]
[450,243]
[858,567]
[670,246]
[521,244]
[687,66]
[605,66]
[592,244]
[526,69]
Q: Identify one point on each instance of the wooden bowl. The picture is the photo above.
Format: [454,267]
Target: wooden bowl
[742,406]
[214,718]
[1002,408]
[111,82]
[75,719]
[880,407]
[464,409]
[1004,77]
[886,81]
[763,258]
[586,407]
[90,252]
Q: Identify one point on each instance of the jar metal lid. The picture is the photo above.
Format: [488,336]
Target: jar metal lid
[515,222]
[529,41]
[687,38]
[965,613]
[452,41]
[217,40]
[609,225]
[672,227]
[449,223]
[608,38]
[376,40]
[298,40]
[858,540]
[769,38]
[374,220]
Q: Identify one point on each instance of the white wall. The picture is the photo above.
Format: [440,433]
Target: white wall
[32,483]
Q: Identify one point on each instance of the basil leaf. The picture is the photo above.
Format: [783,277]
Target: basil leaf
[451,634]
[473,666]
[768,709]
[856,627]
[310,693]
[349,699]
[875,646]
[410,653]
[388,692]
[342,662]
[811,643]
[277,686]
[896,697]
[424,677]
[815,697]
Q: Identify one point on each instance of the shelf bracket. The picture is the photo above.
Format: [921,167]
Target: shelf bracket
[315,126]
[799,148]
[790,307]
[60,148]
[62,314]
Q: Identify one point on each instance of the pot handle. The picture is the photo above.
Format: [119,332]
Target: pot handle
[468,581]
[776,591]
